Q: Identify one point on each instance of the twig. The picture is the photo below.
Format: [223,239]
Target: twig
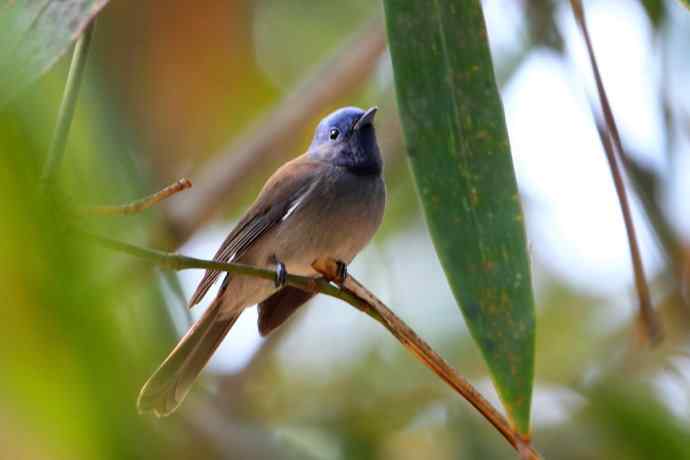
[274,135]
[613,147]
[645,184]
[354,293]
[142,204]
[363,299]
[178,262]
[69,100]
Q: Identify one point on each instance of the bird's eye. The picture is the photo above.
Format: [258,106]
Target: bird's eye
[334,133]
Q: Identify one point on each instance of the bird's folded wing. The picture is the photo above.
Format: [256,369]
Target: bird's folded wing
[283,192]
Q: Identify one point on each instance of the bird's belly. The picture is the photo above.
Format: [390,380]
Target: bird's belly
[338,225]
[336,243]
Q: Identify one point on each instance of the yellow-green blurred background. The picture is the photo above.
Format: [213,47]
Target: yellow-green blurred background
[178,89]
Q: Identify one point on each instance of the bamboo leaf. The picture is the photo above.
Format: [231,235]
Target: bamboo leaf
[458,148]
[34,34]
[634,423]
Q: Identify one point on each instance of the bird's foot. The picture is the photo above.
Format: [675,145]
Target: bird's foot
[332,270]
[281,275]
[340,271]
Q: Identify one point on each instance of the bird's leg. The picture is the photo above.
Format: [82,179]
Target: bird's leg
[281,273]
[331,269]
[340,271]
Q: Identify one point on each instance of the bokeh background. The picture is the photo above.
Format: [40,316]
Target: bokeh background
[204,90]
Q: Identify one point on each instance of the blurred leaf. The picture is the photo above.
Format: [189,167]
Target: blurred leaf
[458,147]
[65,378]
[686,3]
[655,10]
[636,425]
[302,20]
[542,27]
[34,34]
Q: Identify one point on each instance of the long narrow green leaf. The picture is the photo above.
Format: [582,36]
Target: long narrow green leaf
[34,34]
[458,147]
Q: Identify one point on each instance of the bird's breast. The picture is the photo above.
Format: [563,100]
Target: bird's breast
[336,220]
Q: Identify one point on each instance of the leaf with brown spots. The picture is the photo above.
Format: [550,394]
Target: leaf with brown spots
[458,147]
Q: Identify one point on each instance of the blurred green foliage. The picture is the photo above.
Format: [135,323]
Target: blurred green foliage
[67,368]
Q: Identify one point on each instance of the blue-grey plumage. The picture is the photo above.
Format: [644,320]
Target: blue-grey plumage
[328,202]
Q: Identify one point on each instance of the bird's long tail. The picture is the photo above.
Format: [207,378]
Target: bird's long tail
[168,386]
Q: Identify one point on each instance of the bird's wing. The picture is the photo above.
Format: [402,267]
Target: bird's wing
[280,196]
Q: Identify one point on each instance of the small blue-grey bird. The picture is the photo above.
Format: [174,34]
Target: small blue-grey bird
[328,202]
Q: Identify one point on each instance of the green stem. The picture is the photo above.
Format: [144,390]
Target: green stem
[178,262]
[69,100]
[355,294]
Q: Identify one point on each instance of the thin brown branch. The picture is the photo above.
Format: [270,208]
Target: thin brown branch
[614,151]
[367,302]
[142,204]
[274,136]
[645,185]
[355,294]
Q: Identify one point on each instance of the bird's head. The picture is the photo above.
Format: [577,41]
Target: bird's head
[346,138]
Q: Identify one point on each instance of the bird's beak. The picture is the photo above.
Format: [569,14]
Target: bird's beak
[366,119]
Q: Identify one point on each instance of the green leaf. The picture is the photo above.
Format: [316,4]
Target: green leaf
[34,34]
[656,10]
[458,147]
[633,423]
[686,3]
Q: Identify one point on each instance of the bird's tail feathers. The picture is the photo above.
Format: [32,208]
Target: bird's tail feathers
[168,386]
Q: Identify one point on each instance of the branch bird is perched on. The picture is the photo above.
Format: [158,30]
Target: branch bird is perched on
[328,202]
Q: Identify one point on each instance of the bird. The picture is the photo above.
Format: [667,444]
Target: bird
[328,202]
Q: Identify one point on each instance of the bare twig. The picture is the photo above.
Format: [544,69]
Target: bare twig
[367,302]
[354,293]
[142,204]
[178,262]
[613,147]
[69,101]
[645,184]
[274,135]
